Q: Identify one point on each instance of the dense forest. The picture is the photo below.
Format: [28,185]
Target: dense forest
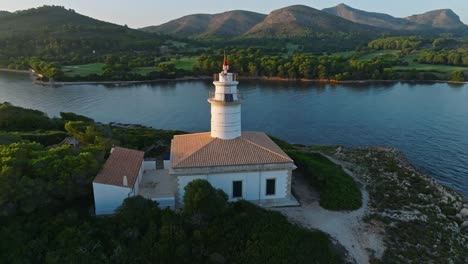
[254,62]
[46,213]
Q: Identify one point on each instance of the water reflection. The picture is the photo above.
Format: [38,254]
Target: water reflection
[429,122]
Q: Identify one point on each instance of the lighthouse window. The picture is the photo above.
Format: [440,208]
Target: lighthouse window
[228,97]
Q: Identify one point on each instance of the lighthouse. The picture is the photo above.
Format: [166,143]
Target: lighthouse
[225,105]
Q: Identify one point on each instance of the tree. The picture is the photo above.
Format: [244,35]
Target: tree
[457,76]
[68,116]
[202,200]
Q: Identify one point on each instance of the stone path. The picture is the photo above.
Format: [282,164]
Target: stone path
[360,239]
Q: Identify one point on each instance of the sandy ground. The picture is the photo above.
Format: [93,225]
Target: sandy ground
[360,239]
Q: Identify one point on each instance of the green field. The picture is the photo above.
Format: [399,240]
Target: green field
[441,71]
[432,68]
[379,53]
[83,70]
[144,70]
[344,53]
[291,48]
[183,63]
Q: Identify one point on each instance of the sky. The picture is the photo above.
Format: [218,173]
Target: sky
[140,13]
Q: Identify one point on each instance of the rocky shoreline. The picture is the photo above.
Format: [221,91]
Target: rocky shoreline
[421,220]
[255,78]
[198,78]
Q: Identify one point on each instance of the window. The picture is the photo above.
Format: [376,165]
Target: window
[236,189]
[228,97]
[270,186]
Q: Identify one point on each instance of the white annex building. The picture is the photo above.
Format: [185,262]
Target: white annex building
[245,165]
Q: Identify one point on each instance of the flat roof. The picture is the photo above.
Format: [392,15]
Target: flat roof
[121,162]
[157,184]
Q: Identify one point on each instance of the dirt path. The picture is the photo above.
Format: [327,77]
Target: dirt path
[361,240]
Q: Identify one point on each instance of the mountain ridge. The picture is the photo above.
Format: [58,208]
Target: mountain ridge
[210,24]
[441,18]
[299,20]
[435,19]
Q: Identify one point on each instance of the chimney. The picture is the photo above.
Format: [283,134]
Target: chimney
[125,181]
[112,150]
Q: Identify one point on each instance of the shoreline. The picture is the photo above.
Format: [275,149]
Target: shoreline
[15,71]
[403,202]
[259,78]
[204,77]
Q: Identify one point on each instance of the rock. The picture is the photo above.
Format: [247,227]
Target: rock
[464,226]
[464,213]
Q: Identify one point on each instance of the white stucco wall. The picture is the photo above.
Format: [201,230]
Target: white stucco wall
[167,164]
[253,183]
[136,187]
[108,197]
[226,121]
[149,165]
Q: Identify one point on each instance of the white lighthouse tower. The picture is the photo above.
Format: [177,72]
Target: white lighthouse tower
[225,105]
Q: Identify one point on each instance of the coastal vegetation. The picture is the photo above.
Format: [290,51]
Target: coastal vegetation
[402,58]
[39,183]
[46,202]
[420,219]
[338,190]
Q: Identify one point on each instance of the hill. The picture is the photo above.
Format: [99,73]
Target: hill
[52,31]
[370,18]
[443,19]
[4,13]
[57,21]
[227,24]
[300,20]
[436,20]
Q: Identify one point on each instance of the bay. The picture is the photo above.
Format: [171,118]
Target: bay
[427,121]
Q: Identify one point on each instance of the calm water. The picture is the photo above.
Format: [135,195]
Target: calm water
[429,122]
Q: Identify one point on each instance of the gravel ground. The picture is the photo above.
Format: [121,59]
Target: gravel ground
[361,240]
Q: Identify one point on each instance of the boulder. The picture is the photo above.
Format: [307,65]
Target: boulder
[464,213]
[464,226]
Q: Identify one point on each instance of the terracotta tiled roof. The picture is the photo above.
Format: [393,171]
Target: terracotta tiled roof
[122,162]
[201,150]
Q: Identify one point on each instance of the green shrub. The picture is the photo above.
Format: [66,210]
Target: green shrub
[68,116]
[45,138]
[338,190]
[14,118]
[8,138]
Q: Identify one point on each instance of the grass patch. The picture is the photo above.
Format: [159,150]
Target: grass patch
[338,190]
[291,48]
[185,63]
[83,70]
[431,68]
[144,70]
[344,53]
[379,53]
